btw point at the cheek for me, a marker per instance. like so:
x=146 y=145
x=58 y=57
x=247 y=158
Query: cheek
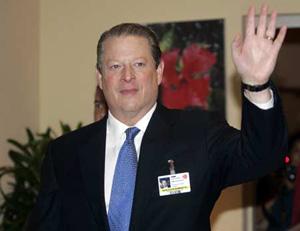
x=151 y=88
x=108 y=82
x=109 y=89
x=154 y=83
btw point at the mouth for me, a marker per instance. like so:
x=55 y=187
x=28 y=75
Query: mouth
x=127 y=92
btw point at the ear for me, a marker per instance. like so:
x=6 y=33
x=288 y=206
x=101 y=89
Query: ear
x=160 y=71
x=99 y=78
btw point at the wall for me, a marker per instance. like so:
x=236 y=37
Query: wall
x=288 y=80
x=18 y=71
x=68 y=33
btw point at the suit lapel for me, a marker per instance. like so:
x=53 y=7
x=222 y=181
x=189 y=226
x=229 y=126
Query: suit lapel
x=152 y=161
x=92 y=158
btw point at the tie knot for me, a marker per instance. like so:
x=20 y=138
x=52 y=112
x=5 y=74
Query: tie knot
x=131 y=133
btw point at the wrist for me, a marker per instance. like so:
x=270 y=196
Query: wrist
x=262 y=96
x=256 y=88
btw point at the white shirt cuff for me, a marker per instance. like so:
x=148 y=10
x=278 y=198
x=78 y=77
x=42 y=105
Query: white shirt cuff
x=264 y=106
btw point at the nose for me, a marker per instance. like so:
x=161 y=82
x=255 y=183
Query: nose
x=128 y=73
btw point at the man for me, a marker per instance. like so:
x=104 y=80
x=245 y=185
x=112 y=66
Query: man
x=106 y=176
x=277 y=193
x=100 y=108
x=294 y=146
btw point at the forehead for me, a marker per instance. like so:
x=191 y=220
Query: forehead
x=126 y=45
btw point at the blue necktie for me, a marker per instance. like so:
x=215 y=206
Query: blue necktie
x=122 y=191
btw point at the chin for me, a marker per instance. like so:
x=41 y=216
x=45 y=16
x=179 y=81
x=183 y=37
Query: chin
x=130 y=108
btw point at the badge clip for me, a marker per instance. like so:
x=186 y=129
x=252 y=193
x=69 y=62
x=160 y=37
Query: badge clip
x=171 y=167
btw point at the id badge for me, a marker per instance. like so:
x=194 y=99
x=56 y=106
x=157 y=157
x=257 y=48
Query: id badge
x=174 y=184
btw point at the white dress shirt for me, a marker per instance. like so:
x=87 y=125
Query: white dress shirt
x=115 y=137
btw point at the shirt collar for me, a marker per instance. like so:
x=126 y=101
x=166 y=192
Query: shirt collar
x=117 y=128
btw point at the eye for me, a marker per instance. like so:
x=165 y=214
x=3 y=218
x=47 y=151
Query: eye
x=139 y=64
x=115 y=66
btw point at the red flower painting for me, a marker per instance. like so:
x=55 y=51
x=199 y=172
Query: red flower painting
x=193 y=53
x=186 y=81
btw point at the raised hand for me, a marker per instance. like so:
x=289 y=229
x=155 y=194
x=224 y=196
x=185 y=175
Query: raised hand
x=255 y=56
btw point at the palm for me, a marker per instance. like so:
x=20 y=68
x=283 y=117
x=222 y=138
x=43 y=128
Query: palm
x=257 y=59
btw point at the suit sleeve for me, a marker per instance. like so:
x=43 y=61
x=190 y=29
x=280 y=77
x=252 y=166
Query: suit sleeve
x=257 y=149
x=46 y=214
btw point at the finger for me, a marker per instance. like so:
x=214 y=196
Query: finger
x=279 y=40
x=272 y=25
x=262 y=22
x=236 y=46
x=250 y=26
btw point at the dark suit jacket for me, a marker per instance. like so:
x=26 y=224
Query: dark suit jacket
x=215 y=155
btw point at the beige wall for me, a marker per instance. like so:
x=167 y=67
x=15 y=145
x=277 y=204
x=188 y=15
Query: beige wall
x=18 y=70
x=68 y=32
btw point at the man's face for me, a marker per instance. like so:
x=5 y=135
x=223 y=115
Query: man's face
x=296 y=153
x=129 y=79
x=100 y=109
x=164 y=183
